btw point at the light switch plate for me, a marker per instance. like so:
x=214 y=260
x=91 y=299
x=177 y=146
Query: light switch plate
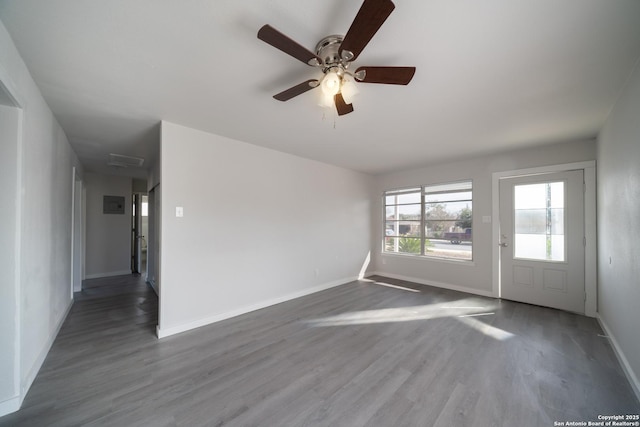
x=179 y=212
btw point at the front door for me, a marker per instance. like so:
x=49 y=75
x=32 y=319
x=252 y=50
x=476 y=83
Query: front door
x=542 y=240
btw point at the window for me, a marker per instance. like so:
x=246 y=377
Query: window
x=432 y=221
x=539 y=221
x=448 y=218
x=403 y=224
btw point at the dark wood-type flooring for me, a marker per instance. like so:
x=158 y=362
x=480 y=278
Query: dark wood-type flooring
x=367 y=353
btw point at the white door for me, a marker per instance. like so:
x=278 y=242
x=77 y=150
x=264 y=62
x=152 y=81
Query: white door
x=542 y=240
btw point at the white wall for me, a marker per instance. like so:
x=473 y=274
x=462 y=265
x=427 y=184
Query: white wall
x=473 y=277
x=45 y=160
x=139 y=186
x=154 y=219
x=618 y=156
x=9 y=291
x=153 y=174
x=108 y=244
x=153 y=240
x=259 y=227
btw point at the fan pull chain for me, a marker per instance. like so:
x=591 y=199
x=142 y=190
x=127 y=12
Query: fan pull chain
x=324 y=117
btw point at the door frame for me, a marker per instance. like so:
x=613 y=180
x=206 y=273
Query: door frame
x=590 y=273
x=77 y=248
x=12 y=348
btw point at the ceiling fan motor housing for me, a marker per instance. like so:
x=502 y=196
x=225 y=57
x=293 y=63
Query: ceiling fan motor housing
x=327 y=50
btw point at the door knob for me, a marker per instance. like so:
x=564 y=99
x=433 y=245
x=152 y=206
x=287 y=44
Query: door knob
x=502 y=244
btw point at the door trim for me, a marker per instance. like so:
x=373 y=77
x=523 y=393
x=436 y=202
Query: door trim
x=77 y=241
x=590 y=274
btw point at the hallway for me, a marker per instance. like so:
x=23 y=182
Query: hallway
x=111 y=318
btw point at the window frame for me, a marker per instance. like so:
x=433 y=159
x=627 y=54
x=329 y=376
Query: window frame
x=403 y=191
x=422 y=190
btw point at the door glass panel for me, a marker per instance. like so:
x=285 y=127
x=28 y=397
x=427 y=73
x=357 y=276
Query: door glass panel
x=539 y=221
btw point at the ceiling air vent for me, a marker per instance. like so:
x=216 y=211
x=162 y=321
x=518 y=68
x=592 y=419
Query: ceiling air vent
x=120 y=161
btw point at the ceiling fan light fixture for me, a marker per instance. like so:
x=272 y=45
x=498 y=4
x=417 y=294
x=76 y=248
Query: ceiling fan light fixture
x=326 y=101
x=330 y=83
x=334 y=55
x=349 y=89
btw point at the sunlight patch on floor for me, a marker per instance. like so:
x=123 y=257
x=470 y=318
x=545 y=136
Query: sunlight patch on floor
x=476 y=315
x=486 y=329
x=399 y=314
x=402 y=288
x=389 y=285
x=464 y=311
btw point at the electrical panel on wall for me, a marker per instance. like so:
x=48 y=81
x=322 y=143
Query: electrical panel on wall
x=113 y=205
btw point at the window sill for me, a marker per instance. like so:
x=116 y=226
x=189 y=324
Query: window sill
x=461 y=262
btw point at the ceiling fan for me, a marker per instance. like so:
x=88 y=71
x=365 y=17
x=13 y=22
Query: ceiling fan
x=334 y=54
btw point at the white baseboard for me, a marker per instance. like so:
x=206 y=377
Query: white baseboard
x=108 y=274
x=626 y=367
x=10 y=405
x=165 y=332
x=434 y=283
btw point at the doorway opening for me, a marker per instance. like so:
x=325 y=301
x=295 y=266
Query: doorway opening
x=139 y=234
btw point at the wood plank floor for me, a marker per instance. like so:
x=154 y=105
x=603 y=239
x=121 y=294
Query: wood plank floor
x=370 y=353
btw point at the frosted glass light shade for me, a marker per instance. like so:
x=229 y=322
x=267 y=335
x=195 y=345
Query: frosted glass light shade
x=349 y=89
x=330 y=83
x=326 y=101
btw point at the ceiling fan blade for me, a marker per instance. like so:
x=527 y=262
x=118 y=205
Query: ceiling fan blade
x=275 y=38
x=386 y=75
x=296 y=90
x=342 y=107
x=369 y=19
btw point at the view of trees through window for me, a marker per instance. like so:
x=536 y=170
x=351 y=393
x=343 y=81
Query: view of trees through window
x=434 y=220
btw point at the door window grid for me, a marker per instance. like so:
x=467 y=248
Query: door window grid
x=539 y=221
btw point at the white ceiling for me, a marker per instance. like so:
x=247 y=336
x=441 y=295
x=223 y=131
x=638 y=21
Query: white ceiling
x=491 y=74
